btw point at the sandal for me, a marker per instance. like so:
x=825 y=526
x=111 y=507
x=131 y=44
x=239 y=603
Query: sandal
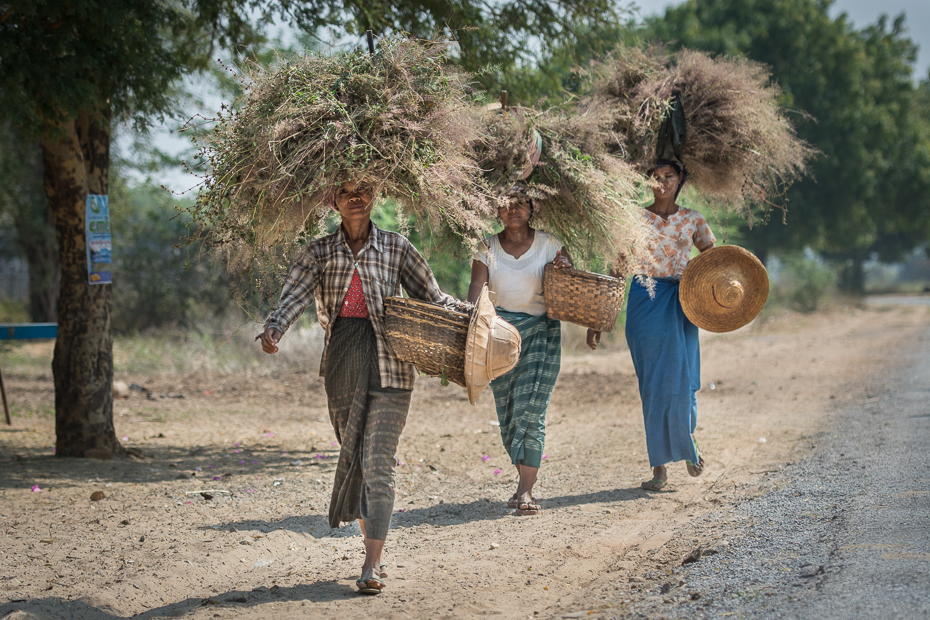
x=513 y=503
x=370 y=586
x=527 y=508
x=656 y=484
x=695 y=469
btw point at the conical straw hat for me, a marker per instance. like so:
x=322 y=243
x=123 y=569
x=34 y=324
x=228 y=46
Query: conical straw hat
x=723 y=288
x=492 y=346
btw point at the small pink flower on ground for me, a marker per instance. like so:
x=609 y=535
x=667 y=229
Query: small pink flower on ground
x=250 y=490
x=236 y=451
x=497 y=471
x=401 y=510
x=188 y=502
x=35 y=488
x=217 y=478
x=545 y=456
x=124 y=438
x=254 y=462
x=211 y=466
x=485 y=458
x=320 y=456
x=399 y=463
x=267 y=434
x=237 y=444
x=242 y=462
x=197 y=469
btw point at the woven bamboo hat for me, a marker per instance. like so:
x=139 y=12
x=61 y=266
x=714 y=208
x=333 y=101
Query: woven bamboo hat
x=723 y=288
x=492 y=346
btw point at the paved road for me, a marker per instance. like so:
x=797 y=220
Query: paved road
x=898 y=300
x=848 y=537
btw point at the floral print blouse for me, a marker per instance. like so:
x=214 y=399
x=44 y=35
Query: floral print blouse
x=671 y=242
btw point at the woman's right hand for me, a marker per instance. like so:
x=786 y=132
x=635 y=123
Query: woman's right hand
x=594 y=338
x=270 y=338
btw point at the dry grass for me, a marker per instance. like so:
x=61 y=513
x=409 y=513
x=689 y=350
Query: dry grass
x=740 y=148
x=583 y=195
x=399 y=120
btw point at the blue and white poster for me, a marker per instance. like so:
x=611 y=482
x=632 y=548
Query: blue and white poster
x=99 y=243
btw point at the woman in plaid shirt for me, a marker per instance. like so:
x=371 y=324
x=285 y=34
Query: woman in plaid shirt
x=349 y=274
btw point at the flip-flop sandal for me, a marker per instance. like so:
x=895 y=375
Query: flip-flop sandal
x=370 y=586
x=525 y=509
x=654 y=485
x=695 y=469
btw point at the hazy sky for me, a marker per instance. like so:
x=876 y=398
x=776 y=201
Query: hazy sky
x=861 y=13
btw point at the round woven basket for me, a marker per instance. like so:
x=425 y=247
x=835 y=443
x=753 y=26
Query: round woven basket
x=429 y=336
x=581 y=297
x=723 y=288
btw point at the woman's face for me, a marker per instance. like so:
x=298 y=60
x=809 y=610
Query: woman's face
x=354 y=201
x=515 y=215
x=667 y=179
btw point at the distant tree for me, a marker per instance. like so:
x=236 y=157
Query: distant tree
x=31 y=222
x=868 y=191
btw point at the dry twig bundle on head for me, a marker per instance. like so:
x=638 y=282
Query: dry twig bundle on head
x=399 y=120
x=739 y=147
x=581 y=193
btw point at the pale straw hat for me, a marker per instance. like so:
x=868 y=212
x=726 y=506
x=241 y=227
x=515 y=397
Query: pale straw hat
x=723 y=288
x=492 y=346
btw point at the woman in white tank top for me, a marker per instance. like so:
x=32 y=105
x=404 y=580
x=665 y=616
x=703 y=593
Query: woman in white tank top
x=511 y=263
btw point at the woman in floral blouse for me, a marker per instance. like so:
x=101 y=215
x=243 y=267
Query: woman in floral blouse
x=662 y=341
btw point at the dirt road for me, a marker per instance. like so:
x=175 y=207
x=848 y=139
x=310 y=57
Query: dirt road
x=262 y=449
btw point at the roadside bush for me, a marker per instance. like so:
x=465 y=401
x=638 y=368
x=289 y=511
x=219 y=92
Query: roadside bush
x=806 y=283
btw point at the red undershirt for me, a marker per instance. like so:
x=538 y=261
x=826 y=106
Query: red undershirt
x=354 y=304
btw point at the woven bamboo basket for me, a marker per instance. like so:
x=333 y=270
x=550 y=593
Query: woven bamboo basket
x=581 y=297
x=429 y=336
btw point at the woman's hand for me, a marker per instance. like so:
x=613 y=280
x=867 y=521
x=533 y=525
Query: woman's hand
x=269 y=338
x=594 y=339
x=562 y=259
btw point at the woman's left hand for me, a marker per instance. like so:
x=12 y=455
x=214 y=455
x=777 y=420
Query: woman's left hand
x=562 y=260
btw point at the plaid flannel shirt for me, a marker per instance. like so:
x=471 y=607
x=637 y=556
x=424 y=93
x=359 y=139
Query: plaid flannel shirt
x=323 y=272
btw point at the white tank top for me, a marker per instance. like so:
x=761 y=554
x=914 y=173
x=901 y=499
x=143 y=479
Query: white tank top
x=518 y=282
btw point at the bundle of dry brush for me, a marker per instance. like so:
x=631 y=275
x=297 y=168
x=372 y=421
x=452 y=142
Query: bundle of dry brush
x=583 y=195
x=739 y=148
x=399 y=120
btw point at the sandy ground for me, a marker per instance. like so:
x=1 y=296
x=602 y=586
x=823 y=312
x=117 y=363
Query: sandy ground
x=226 y=515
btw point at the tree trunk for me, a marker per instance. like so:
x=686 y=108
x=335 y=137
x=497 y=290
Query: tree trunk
x=852 y=275
x=77 y=159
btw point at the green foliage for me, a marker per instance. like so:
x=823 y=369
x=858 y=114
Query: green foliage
x=157 y=283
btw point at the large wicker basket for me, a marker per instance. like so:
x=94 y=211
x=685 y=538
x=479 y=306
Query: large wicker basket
x=429 y=336
x=587 y=299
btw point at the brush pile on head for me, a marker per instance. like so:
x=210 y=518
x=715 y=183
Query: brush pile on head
x=398 y=120
x=738 y=148
x=581 y=193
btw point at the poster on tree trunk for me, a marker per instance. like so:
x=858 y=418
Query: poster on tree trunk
x=99 y=244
